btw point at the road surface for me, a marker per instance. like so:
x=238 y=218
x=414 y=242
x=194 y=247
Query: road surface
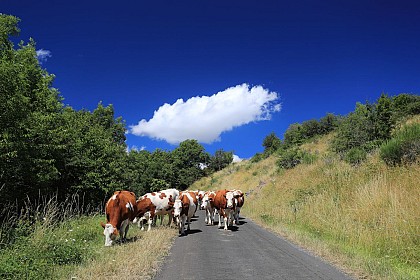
x=245 y=252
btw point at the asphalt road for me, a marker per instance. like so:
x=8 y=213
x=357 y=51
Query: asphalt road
x=245 y=252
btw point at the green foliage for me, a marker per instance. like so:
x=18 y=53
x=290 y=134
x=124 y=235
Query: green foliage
x=355 y=156
x=45 y=237
x=404 y=105
x=158 y=184
x=271 y=144
x=297 y=134
x=403 y=148
x=257 y=157
x=46 y=248
x=371 y=124
x=188 y=159
x=289 y=158
x=355 y=130
x=220 y=160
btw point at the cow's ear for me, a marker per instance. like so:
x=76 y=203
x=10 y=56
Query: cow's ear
x=102 y=224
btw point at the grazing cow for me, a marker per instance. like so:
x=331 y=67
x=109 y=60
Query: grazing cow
x=208 y=206
x=224 y=202
x=120 y=210
x=239 y=202
x=184 y=209
x=163 y=202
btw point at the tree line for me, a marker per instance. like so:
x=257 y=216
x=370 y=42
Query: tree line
x=49 y=148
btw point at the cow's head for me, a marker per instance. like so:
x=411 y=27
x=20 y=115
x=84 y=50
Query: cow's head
x=230 y=200
x=177 y=208
x=205 y=202
x=110 y=233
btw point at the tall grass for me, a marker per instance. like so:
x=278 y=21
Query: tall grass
x=365 y=218
x=53 y=240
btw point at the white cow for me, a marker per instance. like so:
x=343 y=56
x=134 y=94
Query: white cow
x=208 y=205
x=163 y=202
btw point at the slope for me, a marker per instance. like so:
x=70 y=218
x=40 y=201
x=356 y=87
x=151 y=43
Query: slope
x=364 y=218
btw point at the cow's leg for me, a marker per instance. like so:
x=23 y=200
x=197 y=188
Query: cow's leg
x=170 y=218
x=188 y=221
x=183 y=218
x=123 y=230
x=238 y=210
x=231 y=217
x=220 y=220
x=206 y=217
x=225 y=218
x=149 y=223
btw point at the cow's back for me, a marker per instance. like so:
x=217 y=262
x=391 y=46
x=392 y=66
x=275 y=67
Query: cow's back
x=220 y=199
x=121 y=206
x=163 y=200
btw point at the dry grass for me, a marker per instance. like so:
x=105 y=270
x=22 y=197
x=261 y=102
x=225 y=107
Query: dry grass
x=139 y=259
x=365 y=219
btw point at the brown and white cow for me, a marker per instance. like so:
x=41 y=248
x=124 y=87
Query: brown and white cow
x=145 y=211
x=239 y=202
x=120 y=210
x=224 y=202
x=207 y=204
x=163 y=202
x=184 y=209
x=200 y=196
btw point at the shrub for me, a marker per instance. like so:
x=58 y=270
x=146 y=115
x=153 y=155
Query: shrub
x=289 y=158
x=403 y=148
x=355 y=156
x=257 y=157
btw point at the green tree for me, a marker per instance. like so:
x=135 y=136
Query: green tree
x=220 y=160
x=271 y=143
x=383 y=121
x=293 y=135
x=355 y=130
x=188 y=158
x=29 y=107
x=328 y=123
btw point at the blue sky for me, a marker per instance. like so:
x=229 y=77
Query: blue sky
x=227 y=73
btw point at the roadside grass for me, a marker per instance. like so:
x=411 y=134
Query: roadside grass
x=138 y=258
x=54 y=242
x=365 y=218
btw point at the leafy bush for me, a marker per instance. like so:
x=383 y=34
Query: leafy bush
x=403 y=148
x=257 y=157
x=289 y=158
x=355 y=156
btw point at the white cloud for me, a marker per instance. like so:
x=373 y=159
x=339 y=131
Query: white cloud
x=236 y=159
x=42 y=55
x=205 y=118
x=135 y=148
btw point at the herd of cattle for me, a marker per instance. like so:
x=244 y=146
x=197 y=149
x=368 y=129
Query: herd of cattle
x=123 y=208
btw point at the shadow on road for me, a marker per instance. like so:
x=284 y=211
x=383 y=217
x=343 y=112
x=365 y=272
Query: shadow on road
x=191 y=231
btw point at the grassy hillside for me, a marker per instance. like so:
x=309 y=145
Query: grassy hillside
x=364 y=218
